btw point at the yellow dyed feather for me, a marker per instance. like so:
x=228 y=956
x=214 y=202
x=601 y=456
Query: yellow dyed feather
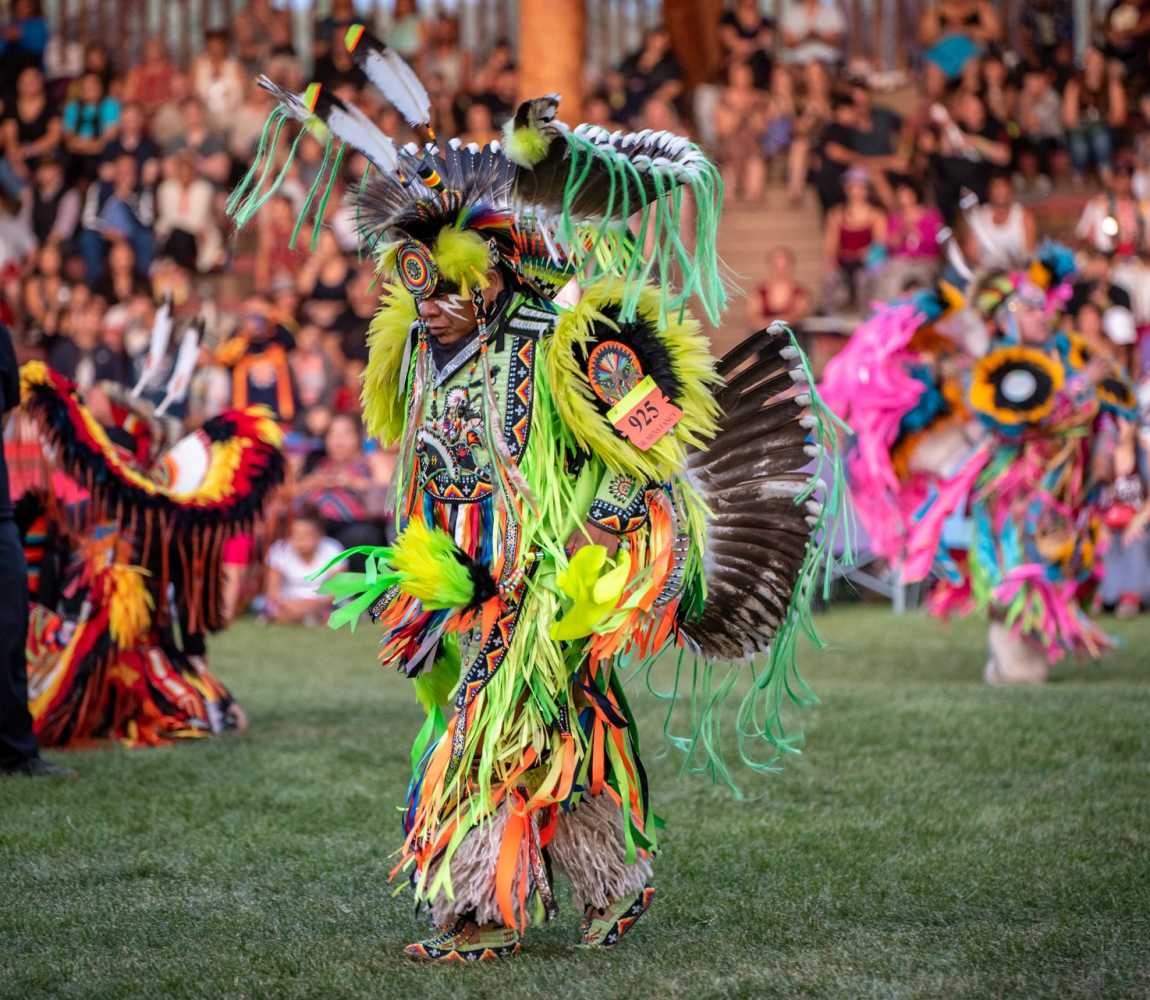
x=691 y=358
x=425 y=559
x=129 y=604
x=525 y=146
x=462 y=256
x=33 y=373
x=383 y=382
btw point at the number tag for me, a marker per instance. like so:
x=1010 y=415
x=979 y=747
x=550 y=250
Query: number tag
x=644 y=415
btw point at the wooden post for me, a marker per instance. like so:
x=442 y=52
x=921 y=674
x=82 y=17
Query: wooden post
x=552 y=41
x=694 y=29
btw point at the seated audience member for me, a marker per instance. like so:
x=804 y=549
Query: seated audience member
x=875 y=141
x=780 y=297
x=740 y=121
x=1115 y=221
x=833 y=154
x=185 y=217
x=952 y=33
x=443 y=56
x=748 y=36
x=855 y=242
x=813 y=31
x=132 y=139
x=29 y=131
x=1001 y=233
x=22 y=41
x=343 y=489
x=406 y=30
x=291 y=595
x=119 y=208
x=1039 y=148
x=45 y=297
x=91 y=122
x=312 y=369
x=218 y=79
x=651 y=71
x=152 y=82
x=50 y=207
x=1045 y=26
x=208 y=145
x=478 y=125
x=1093 y=108
x=353 y=323
x=913 y=249
x=73 y=355
x=812 y=113
x=964 y=152
x=110 y=360
x=257 y=355
x=17 y=244
x=997 y=86
x=274 y=258
x=121 y=282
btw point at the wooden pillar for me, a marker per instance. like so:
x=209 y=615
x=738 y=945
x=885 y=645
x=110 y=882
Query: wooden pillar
x=552 y=43
x=694 y=29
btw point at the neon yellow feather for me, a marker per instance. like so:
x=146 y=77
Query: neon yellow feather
x=462 y=256
x=425 y=559
x=594 y=587
x=383 y=382
x=129 y=604
x=525 y=146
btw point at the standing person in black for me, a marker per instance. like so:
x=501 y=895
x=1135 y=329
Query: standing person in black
x=18 y=751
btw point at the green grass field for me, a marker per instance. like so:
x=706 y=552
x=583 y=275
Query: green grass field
x=938 y=838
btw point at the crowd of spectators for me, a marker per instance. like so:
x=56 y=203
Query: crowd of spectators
x=984 y=131
x=113 y=181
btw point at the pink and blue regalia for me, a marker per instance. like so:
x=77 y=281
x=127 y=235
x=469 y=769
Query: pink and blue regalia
x=983 y=427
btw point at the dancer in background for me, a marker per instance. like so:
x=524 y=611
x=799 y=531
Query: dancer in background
x=990 y=405
x=125 y=534
x=579 y=487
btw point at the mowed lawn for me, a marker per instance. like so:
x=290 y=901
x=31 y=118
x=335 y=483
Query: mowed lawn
x=938 y=838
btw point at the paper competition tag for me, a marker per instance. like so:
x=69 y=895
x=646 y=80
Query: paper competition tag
x=644 y=415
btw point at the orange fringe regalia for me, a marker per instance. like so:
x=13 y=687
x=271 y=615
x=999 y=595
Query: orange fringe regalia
x=610 y=413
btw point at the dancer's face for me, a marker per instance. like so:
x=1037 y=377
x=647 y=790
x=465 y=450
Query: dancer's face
x=1033 y=327
x=450 y=319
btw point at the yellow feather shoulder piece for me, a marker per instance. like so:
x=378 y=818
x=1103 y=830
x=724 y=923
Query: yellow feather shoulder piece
x=383 y=381
x=675 y=351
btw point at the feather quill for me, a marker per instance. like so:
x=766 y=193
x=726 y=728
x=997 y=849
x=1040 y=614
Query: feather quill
x=158 y=348
x=185 y=365
x=390 y=75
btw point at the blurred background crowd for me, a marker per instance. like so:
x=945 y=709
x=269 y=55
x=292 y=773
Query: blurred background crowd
x=115 y=167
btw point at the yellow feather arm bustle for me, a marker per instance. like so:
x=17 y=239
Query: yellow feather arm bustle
x=690 y=355
x=384 y=384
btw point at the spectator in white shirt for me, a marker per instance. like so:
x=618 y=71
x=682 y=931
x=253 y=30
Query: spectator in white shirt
x=185 y=223
x=813 y=31
x=291 y=596
x=218 y=80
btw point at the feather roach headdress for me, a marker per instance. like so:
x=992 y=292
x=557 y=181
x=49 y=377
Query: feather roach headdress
x=548 y=203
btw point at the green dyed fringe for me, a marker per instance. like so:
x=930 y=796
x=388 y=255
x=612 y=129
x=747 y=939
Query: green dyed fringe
x=614 y=250
x=255 y=189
